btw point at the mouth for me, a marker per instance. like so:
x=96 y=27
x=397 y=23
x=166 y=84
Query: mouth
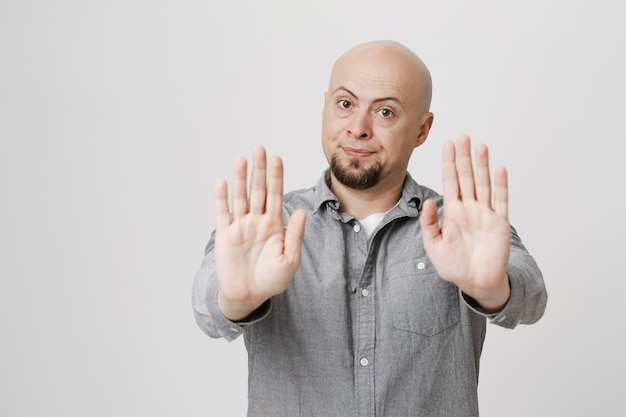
x=356 y=152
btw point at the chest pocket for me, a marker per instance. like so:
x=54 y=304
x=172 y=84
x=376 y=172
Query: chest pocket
x=419 y=300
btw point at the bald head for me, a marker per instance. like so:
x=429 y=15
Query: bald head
x=376 y=112
x=388 y=61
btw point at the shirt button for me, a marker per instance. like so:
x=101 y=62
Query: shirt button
x=364 y=362
x=421 y=265
x=356 y=228
x=365 y=292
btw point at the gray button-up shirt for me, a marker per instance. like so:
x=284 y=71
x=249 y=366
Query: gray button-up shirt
x=366 y=330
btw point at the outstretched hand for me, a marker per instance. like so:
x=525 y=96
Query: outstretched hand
x=255 y=257
x=470 y=246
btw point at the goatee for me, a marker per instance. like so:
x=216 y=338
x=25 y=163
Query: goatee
x=354 y=176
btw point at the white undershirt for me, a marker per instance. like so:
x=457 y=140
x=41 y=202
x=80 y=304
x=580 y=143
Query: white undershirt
x=370 y=222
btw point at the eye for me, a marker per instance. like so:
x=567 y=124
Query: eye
x=386 y=113
x=344 y=104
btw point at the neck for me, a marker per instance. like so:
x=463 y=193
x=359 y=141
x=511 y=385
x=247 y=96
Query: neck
x=362 y=203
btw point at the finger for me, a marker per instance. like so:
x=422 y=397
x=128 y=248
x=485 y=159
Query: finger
x=294 y=236
x=450 y=177
x=501 y=194
x=222 y=212
x=429 y=222
x=274 y=204
x=240 y=199
x=258 y=180
x=464 y=168
x=483 y=182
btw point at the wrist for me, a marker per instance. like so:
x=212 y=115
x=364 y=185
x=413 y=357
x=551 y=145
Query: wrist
x=491 y=300
x=236 y=310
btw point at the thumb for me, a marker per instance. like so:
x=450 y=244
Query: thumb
x=294 y=235
x=429 y=221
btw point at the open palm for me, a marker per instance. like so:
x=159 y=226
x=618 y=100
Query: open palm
x=255 y=257
x=470 y=246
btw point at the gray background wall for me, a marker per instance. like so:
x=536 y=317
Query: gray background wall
x=117 y=117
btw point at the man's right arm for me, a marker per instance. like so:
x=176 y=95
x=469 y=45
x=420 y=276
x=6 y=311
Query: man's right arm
x=251 y=256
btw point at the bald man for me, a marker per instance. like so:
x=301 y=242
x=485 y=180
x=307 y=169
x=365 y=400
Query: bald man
x=366 y=295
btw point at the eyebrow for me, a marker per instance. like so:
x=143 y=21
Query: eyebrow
x=378 y=100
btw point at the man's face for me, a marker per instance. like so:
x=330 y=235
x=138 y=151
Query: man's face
x=371 y=122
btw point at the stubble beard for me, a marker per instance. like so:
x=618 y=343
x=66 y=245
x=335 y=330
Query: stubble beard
x=354 y=175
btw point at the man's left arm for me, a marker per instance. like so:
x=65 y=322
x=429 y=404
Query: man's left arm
x=473 y=245
x=527 y=297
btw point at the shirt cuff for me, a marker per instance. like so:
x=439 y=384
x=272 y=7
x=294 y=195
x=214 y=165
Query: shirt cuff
x=229 y=329
x=476 y=308
x=508 y=316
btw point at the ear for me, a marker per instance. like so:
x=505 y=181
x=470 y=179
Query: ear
x=324 y=105
x=426 y=122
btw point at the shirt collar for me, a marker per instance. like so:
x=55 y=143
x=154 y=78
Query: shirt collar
x=410 y=202
x=323 y=195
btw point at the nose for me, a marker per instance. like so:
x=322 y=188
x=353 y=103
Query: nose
x=360 y=125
